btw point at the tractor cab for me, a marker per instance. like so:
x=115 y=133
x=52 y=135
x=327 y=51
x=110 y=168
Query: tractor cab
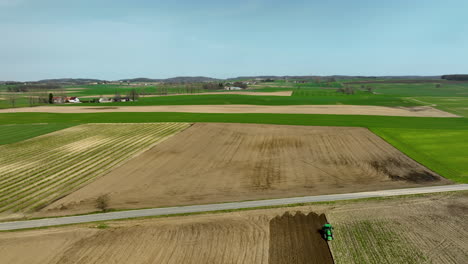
x=327 y=232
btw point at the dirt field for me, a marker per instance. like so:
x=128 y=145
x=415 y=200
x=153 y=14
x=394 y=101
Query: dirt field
x=295 y=238
x=213 y=163
x=418 y=111
x=418 y=229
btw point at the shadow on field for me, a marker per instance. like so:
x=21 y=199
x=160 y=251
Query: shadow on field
x=398 y=170
x=296 y=239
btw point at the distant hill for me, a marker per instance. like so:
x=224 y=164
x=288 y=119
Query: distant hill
x=272 y=77
x=141 y=80
x=413 y=77
x=182 y=79
x=456 y=77
x=190 y=79
x=198 y=79
x=10 y=82
x=67 y=81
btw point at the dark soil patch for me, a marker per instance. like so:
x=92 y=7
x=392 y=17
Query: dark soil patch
x=399 y=170
x=457 y=209
x=296 y=239
x=276 y=144
x=267 y=170
x=265 y=175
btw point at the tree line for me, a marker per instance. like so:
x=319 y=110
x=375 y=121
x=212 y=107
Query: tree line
x=31 y=87
x=455 y=77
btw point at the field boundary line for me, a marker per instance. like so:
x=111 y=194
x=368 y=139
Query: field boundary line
x=419 y=101
x=67 y=220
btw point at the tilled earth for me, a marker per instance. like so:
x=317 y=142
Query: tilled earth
x=213 y=163
x=414 y=229
x=296 y=238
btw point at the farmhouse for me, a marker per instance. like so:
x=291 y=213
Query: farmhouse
x=62 y=99
x=232 y=88
x=110 y=100
x=105 y=100
x=72 y=100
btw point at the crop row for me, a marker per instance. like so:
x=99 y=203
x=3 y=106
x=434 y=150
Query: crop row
x=54 y=165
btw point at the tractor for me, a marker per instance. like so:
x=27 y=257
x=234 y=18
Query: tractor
x=327 y=232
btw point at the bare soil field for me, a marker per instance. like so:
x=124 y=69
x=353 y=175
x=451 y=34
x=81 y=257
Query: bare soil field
x=415 y=229
x=417 y=111
x=215 y=162
x=295 y=238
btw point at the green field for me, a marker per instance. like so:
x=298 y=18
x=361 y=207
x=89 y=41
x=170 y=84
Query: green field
x=100 y=89
x=35 y=172
x=419 y=89
x=385 y=94
x=456 y=105
x=324 y=93
x=21 y=101
x=111 y=89
x=442 y=150
x=14 y=133
x=280 y=119
x=221 y=99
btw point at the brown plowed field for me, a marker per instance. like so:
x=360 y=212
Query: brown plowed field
x=213 y=163
x=289 y=239
x=417 y=229
x=418 y=111
x=295 y=238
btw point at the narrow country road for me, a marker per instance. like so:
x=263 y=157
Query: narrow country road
x=222 y=206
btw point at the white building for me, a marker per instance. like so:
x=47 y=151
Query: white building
x=233 y=88
x=104 y=100
x=73 y=100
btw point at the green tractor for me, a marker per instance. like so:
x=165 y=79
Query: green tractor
x=327 y=232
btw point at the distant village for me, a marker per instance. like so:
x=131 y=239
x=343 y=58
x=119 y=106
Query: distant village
x=228 y=86
x=64 y=99
x=74 y=100
x=55 y=91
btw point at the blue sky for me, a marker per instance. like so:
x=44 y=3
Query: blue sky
x=141 y=38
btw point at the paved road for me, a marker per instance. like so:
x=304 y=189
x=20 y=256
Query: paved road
x=223 y=206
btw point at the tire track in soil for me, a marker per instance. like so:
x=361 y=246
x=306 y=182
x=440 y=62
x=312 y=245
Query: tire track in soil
x=296 y=239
